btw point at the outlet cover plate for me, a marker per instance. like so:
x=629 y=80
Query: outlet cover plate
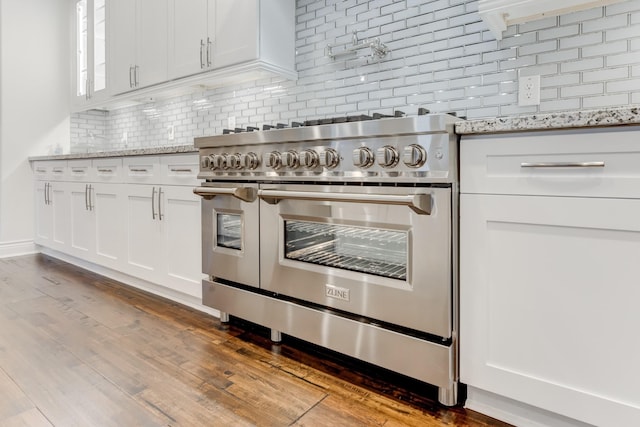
x=528 y=90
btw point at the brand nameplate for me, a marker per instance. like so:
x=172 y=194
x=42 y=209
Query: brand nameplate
x=336 y=292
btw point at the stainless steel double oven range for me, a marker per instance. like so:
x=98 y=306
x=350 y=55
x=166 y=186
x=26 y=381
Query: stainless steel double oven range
x=342 y=234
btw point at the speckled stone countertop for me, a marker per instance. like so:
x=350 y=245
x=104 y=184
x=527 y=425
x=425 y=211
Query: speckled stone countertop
x=175 y=149
x=619 y=116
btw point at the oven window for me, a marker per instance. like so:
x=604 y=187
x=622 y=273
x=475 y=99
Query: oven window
x=368 y=250
x=229 y=231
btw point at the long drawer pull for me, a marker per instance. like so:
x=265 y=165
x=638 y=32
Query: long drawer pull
x=419 y=203
x=58 y=170
x=139 y=170
x=40 y=170
x=563 y=165
x=77 y=170
x=246 y=194
x=180 y=170
x=105 y=170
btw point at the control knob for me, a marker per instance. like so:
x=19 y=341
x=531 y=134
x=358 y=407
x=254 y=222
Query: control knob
x=218 y=161
x=329 y=158
x=309 y=159
x=250 y=160
x=414 y=155
x=363 y=157
x=290 y=159
x=387 y=156
x=205 y=162
x=233 y=161
x=274 y=160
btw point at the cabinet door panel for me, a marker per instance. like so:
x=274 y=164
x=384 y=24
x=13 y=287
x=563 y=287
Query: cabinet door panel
x=44 y=215
x=60 y=204
x=80 y=221
x=108 y=208
x=122 y=49
x=144 y=239
x=151 y=36
x=236 y=32
x=181 y=229
x=188 y=37
x=549 y=301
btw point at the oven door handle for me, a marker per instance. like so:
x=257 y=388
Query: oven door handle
x=419 y=203
x=246 y=194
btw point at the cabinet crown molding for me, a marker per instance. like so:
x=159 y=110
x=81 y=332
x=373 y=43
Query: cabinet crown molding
x=499 y=14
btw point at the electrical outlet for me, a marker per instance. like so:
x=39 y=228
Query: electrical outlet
x=529 y=90
x=171 y=133
x=231 y=122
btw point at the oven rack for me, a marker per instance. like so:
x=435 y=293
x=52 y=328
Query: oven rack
x=350 y=257
x=360 y=233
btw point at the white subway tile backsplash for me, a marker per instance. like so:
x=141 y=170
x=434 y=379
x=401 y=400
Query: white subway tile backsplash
x=442 y=57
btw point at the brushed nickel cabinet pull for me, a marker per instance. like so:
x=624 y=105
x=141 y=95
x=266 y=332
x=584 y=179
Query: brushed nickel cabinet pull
x=562 y=165
x=86 y=197
x=180 y=170
x=105 y=170
x=160 y=215
x=153 y=203
x=139 y=170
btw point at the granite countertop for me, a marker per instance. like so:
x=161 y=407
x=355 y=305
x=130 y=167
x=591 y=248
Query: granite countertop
x=150 y=151
x=619 y=116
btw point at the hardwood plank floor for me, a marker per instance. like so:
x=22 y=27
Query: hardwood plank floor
x=78 y=349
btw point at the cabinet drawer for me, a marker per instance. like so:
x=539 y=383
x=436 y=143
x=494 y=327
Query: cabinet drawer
x=142 y=169
x=50 y=170
x=180 y=169
x=586 y=163
x=107 y=170
x=79 y=170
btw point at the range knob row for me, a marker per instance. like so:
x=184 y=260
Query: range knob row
x=308 y=159
x=230 y=161
x=413 y=155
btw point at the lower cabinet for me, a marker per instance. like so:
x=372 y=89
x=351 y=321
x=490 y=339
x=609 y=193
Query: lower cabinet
x=549 y=275
x=150 y=232
x=163 y=243
x=549 y=303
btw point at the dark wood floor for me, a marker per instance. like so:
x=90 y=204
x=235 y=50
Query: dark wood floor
x=77 y=349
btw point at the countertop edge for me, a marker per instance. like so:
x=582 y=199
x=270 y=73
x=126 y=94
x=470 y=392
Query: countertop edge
x=149 y=151
x=618 y=116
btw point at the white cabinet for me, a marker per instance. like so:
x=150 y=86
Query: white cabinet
x=51 y=204
x=163 y=243
x=90 y=60
x=138 y=48
x=549 y=267
x=208 y=35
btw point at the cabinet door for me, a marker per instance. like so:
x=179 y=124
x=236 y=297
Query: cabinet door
x=236 y=32
x=144 y=239
x=151 y=42
x=44 y=214
x=180 y=218
x=188 y=23
x=549 y=303
x=81 y=221
x=108 y=208
x=60 y=206
x=122 y=51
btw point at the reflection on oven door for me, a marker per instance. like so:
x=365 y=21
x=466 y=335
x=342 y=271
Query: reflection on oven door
x=383 y=259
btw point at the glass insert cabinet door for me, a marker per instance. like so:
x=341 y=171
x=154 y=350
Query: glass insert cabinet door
x=375 y=251
x=91 y=48
x=229 y=231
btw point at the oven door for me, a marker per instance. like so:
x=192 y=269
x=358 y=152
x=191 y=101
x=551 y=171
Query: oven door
x=230 y=232
x=380 y=252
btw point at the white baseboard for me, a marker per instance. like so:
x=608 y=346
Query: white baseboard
x=514 y=412
x=184 y=299
x=17 y=248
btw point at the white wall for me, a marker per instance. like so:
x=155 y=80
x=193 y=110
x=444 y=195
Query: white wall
x=442 y=57
x=34 y=105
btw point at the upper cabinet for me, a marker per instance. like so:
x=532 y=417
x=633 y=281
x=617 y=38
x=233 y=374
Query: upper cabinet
x=499 y=14
x=139 y=38
x=209 y=35
x=90 y=60
x=131 y=51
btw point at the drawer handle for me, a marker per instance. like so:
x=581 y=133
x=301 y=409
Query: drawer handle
x=180 y=170
x=139 y=170
x=58 y=170
x=77 y=170
x=40 y=170
x=563 y=165
x=105 y=170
